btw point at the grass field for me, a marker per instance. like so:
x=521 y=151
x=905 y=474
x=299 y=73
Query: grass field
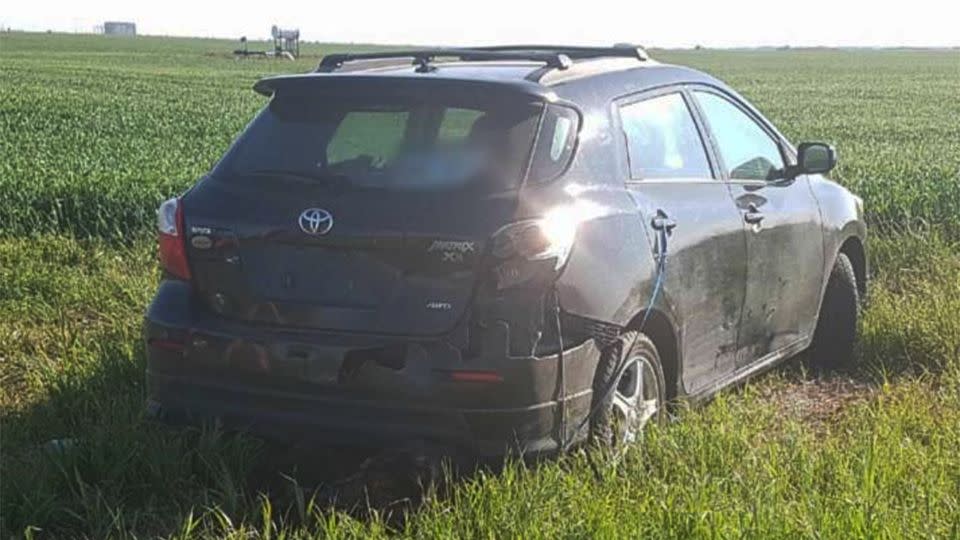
x=95 y=131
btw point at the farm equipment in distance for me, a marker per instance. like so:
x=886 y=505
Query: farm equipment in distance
x=286 y=44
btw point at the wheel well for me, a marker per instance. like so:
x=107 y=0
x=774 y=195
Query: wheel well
x=853 y=248
x=658 y=328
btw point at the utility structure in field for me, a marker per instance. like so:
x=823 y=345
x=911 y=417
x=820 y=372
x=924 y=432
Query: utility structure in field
x=119 y=28
x=285 y=41
x=286 y=44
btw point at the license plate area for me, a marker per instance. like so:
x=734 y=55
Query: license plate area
x=347 y=278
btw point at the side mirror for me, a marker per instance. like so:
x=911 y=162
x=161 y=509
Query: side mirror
x=815 y=158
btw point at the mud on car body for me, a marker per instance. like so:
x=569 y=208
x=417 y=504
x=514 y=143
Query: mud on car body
x=510 y=247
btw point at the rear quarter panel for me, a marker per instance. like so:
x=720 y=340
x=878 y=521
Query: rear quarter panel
x=609 y=275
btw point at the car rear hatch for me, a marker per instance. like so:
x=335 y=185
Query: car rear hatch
x=354 y=207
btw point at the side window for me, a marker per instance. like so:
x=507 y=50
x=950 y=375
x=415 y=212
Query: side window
x=662 y=140
x=748 y=152
x=555 y=143
x=374 y=136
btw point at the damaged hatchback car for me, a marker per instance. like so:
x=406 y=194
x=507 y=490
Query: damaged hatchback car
x=499 y=248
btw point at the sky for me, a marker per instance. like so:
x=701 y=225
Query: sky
x=659 y=23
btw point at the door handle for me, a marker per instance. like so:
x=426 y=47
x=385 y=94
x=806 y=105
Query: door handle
x=662 y=222
x=753 y=215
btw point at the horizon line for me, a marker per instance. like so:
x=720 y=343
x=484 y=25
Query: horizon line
x=9 y=30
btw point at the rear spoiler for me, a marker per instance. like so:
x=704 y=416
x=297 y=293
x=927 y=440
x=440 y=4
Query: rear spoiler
x=359 y=84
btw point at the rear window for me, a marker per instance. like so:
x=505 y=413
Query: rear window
x=389 y=143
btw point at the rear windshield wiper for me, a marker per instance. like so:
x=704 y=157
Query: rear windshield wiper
x=306 y=177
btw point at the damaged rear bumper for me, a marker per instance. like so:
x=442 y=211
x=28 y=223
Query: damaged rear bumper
x=331 y=388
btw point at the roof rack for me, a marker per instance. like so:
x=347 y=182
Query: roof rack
x=552 y=56
x=424 y=57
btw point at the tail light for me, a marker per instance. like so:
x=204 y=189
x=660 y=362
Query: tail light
x=532 y=248
x=172 y=239
x=533 y=241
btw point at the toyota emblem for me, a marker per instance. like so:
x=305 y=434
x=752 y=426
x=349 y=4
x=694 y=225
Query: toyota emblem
x=316 y=221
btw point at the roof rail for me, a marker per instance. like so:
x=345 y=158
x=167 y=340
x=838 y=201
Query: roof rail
x=620 y=50
x=423 y=57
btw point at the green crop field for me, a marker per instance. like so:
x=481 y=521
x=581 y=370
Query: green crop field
x=96 y=131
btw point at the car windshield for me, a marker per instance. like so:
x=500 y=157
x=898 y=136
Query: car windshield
x=388 y=143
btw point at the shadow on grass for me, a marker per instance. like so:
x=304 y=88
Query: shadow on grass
x=85 y=461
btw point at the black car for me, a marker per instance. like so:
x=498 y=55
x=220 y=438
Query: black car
x=505 y=247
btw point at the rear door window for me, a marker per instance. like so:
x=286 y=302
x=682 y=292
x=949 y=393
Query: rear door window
x=662 y=139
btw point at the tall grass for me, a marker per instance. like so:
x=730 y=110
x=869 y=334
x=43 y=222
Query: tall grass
x=747 y=465
x=94 y=132
x=92 y=142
